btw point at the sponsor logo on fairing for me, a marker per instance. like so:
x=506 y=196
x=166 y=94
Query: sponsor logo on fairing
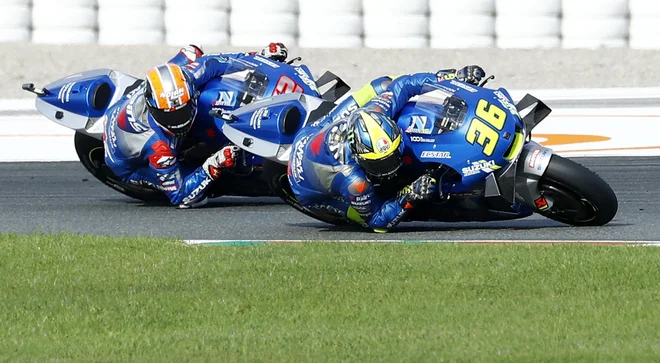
x=65 y=92
x=305 y=78
x=541 y=203
x=421 y=139
x=225 y=98
x=266 y=61
x=197 y=192
x=296 y=162
x=480 y=166
x=541 y=160
x=463 y=86
x=436 y=155
x=260 y=114
x=418 y=125
x=505 y=102
x=533 y=158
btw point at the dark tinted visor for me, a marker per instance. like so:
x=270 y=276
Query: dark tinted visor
x=382 y=167
x=175 y=121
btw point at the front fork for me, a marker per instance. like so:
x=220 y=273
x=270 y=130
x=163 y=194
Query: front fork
x=519 y=184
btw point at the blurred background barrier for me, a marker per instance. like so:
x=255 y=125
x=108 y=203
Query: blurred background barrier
x=444 y=24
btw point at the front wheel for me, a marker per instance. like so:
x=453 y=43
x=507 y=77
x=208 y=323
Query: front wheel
x=580 y=197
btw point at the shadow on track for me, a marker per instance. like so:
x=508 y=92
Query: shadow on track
x=223 y=202
x=519 y=225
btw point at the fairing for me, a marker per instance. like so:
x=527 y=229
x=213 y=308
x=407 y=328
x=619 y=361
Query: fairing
x=481 y=133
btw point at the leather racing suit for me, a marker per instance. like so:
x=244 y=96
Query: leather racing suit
x=142 y=153
x=324 y=176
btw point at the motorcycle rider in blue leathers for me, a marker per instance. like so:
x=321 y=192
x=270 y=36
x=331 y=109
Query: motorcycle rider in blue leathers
x=335 y=160
x=144 y=130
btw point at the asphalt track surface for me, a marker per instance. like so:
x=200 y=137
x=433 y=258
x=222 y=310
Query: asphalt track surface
x=63 y=197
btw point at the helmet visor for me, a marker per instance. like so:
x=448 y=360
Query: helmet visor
x=177 y=121
x=382 y=167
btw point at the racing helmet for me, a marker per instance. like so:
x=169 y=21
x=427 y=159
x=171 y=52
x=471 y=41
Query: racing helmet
x=375 y=142
x=170 y=99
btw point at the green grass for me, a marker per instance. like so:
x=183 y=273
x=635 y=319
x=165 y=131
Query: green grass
x=74 y=298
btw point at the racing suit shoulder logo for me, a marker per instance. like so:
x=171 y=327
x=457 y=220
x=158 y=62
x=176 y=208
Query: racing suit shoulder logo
x=317 y=143
x=295 y=165
x=127 y=120
x=163 y=157
x=336 y=141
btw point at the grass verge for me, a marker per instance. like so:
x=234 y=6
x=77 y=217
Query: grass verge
x=67 y=297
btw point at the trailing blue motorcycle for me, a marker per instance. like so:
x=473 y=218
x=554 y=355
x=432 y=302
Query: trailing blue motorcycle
x=476 y=142
x=79 y=102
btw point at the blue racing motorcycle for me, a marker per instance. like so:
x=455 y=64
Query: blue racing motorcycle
x=79 y=102
x=475 y=140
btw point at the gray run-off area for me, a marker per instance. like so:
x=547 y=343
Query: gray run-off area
x=514 y=69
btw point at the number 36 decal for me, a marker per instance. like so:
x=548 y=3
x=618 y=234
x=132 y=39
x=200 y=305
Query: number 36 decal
x=484 y=128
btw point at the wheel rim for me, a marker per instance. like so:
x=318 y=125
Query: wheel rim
x=568 y=206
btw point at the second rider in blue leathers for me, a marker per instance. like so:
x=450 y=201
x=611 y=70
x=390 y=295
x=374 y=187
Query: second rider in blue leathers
x=334 y=161
x=144 y=130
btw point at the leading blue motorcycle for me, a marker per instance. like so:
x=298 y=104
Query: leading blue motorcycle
x=80 y=101
x=476 y=142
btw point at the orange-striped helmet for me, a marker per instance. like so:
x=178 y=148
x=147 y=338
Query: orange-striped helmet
x=170 y=98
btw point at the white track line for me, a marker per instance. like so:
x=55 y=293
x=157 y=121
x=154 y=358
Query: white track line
x=476 y=241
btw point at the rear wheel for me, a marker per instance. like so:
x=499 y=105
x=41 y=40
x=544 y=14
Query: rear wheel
x=276 y=176
x=92 y=155
x=580 y=197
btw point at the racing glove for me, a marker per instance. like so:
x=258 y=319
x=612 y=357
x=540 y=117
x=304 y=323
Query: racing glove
x=275 y=51
x=421 y=189
x=224 y=158
x=469 y=74
x=192 y=52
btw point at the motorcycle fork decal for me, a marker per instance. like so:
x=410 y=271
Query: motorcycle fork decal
x=484 y=128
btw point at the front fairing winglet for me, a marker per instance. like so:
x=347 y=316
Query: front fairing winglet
x=533 y=111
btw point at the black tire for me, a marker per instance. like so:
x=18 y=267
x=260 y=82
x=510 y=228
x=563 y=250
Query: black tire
x=91 y=154
x=581 y=197
x=276 y=177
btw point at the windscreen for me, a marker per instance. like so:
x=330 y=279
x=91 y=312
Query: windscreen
x=446 y=110
x=251 y=83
